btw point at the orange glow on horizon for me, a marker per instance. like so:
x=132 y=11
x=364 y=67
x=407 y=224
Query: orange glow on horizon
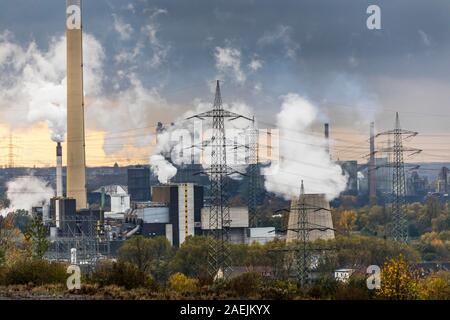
x=32 y=147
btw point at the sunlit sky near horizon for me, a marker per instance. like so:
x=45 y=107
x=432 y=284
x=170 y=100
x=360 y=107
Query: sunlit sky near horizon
x=149 y=61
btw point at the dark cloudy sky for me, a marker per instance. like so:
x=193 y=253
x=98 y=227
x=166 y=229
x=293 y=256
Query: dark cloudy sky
x=264 y=49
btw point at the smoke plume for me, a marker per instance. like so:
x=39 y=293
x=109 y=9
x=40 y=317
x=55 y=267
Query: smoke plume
x=162 y=168
x=33 y=83
x=303 y=156
x=25 y=193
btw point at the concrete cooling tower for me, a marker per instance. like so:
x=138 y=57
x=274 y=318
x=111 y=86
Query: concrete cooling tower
x=316 y=218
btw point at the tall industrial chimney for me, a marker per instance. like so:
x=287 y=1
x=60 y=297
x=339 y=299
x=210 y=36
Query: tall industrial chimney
x=327 y=138
x=59 y=182
x=372 y=167
x=76 y=162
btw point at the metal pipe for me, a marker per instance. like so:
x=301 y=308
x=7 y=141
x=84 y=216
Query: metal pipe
x=129 y=234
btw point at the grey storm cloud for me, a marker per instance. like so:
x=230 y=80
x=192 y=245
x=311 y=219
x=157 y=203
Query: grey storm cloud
x=303 y=46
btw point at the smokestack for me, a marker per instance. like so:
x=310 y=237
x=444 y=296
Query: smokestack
x=59 y=182
x=327 y=138
x=76 y=162
x=372 y=167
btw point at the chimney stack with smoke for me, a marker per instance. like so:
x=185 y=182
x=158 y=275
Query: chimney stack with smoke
x=327 y=139
x=59 y=182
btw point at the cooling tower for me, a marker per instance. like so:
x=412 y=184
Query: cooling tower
x=76 y=163
x=318 y=217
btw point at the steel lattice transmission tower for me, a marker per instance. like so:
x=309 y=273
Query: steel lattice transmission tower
x=10 y=151
x=372 y=167
x=219 y=260
x=399 y=231
x=303 y=254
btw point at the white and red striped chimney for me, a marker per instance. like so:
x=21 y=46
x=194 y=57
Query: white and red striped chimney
x=59 y=182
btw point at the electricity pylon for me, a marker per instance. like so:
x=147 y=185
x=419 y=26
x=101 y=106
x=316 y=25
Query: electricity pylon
x=219 y=260
x=303 y=248
x=399 y=230
x=253 y=173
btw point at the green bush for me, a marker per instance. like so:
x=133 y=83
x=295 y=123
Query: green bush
x=151 y=255
x=246 y=285
x=279 y=290
x=2 y=275
x=121 y=274
x=191 y=258
x=2 y=256
x=354 y=289
x=217 y=288
x=36 y=272
x=430 y=256
x=323 y=288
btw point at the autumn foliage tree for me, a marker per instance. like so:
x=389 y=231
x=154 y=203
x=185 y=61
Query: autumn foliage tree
x=11 y=240
x=180 y=283
x=347 y=221
x=436 y=286
x=149 y=255
x=398 y=281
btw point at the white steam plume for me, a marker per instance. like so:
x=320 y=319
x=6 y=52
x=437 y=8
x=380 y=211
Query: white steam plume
x=162 y=168
x=33 y=90
x=33 y=83
x=133 y=104
x=25 y=193
x=302 y=155
x=169 y=144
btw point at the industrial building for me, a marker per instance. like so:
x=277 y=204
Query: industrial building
x=442 y=181
x=139 y=183
x=238 y=224
x=260 y=235
x=185 y=203
x=152 y=219
x=350 y=169
x=382 y=177
x=175 y=212
x=417 y=186
x=189 y=173
x=116 y=197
